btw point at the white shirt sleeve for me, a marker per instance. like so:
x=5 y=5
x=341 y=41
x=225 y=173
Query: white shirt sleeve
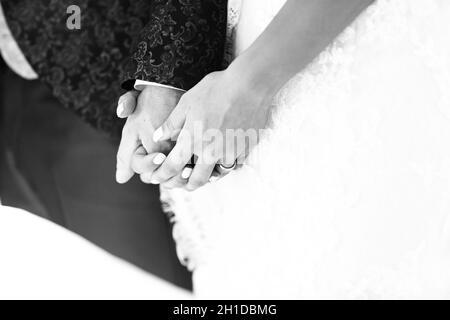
x=11 y=53
x=139 y=85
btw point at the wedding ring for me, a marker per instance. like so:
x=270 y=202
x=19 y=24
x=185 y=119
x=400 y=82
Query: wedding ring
x=222 y=169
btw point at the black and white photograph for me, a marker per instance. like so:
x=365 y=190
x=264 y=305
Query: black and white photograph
x=214 y=150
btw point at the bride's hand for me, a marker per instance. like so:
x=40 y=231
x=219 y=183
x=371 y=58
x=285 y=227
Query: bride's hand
x=218 y=121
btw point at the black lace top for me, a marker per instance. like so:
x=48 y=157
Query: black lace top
x=174 y=42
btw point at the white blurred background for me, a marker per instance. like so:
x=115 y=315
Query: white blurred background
x=40 y=260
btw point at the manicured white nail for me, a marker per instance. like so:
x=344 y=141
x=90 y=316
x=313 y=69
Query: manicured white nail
x=157 y=135
x=186 y=173
x=120 y=109
x=159 y=159
x=154 y=181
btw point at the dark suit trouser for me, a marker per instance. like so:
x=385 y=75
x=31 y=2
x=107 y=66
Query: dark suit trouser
x=56 y=166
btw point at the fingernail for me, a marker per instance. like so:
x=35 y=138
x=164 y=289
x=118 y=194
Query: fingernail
x=154 y=181
x=157 y=135
x=186 y=173
x=159 y=159
x=120 y=109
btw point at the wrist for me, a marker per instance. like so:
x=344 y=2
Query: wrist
x=164 y=94
x=158 y=103
x=254 y=76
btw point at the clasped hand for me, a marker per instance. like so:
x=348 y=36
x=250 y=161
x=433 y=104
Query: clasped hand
x=177 y=140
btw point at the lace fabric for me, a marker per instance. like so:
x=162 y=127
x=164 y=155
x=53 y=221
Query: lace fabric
x=359 y=206
x=234 y=9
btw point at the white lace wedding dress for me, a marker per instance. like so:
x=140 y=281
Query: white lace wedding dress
x=349 y=194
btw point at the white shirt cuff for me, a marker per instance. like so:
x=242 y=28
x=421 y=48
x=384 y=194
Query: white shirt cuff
x=11 y=53
x=139 y=85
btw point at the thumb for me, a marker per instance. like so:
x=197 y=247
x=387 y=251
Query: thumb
x=127 y=104
x=172 y=126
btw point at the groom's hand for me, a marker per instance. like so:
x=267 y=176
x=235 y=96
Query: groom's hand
x=146 y=111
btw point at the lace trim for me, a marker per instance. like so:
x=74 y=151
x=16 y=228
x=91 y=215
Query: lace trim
x=234 y=13
x=185 y=232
